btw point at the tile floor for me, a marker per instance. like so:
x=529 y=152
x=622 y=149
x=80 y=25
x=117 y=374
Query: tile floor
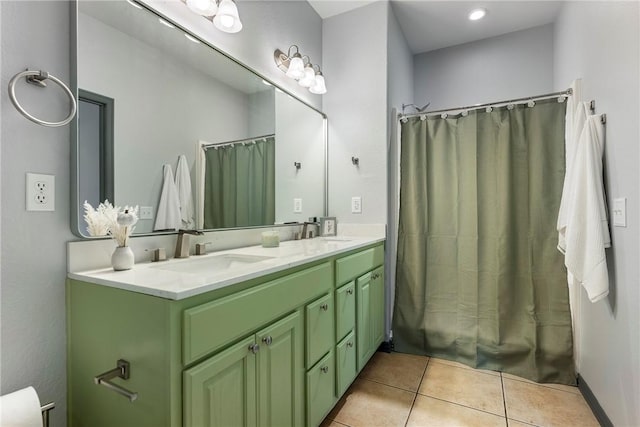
x=405 y=390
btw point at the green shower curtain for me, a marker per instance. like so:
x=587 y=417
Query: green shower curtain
x=479 y=279
x=240 y=185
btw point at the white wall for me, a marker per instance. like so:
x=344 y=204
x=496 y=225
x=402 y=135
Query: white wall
x=33 y=253
x=399 y=91
x=599 y=41
x=355 y=66
x=504 y=67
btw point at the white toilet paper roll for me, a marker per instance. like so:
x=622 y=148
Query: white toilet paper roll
x=20 y=409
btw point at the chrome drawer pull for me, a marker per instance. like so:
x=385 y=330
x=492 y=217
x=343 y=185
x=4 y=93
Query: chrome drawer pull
x=324 y=307
x=267 y=340
x=254 y=348
x=325 y=369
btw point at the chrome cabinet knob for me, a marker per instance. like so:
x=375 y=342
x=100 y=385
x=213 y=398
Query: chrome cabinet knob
x=325 y=369
x=350 y=291
x=324 y=307
x=267 y=340
x=349 y=344
x=254 y=348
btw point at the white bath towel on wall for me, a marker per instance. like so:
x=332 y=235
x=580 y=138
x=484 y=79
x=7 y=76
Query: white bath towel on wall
x=183 y=184
x=168 y=214
x=587 y=229
x=580 y=112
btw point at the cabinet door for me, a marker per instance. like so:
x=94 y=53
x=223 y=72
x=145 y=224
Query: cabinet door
x=364 y=334
x=320 y=390
x=281 y=373
x=346 y=363
x=320 y=328
x=345 y=310
x=221 y=391
x=377 y=307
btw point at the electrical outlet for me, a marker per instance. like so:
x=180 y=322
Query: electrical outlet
x=297 y=205
x=146 y=212
x=40 y=192
x=356 y=205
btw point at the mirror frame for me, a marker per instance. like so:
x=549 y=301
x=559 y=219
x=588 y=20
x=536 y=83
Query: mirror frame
x=76 y=219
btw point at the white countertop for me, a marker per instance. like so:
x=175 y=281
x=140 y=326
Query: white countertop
x=158 y=279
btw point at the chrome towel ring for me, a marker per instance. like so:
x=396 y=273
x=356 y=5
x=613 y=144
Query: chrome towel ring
x=38 y=78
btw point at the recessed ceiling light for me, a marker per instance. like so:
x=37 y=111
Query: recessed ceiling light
x=191 y=38
x=166 y=23
x=136 y=5
x=476 y=14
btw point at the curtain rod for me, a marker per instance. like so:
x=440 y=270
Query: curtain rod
x=237 y=141
x=566 y=92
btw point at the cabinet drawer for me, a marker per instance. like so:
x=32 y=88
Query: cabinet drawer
x=320 y=390
x=209 y=326
x=346 y=369
x=352 y=266
x=319 y=331
x=345 y=309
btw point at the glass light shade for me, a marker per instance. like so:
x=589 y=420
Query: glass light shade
x=227 y=18
x=309 y=77
x=319 y=87
x=296 y=67
x=203 y=7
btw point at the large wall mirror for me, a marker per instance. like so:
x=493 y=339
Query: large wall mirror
x=149 y=93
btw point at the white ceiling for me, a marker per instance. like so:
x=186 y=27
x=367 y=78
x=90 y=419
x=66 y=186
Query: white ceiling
x=429 y=25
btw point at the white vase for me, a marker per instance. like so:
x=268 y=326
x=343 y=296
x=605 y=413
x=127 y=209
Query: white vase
x=122 y=258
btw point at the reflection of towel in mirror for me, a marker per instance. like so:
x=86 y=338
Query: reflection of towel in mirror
x=168 y=215
x=183 y=184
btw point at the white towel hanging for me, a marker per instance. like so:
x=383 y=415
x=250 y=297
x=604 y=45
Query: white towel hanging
x=168 y=214
x=185 y=197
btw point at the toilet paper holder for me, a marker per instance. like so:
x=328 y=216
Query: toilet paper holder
x=45 y=413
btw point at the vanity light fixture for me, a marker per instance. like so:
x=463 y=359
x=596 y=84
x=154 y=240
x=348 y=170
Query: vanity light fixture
x=223 y=13
x=293 y=65
x=476 y=14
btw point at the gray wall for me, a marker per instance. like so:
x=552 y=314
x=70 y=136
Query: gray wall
x=33 y=261
x=504 y=67
x=33 y=246
x=599 y=41
x=355 y=63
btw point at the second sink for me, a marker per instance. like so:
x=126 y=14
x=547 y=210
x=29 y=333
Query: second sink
x=211 y=264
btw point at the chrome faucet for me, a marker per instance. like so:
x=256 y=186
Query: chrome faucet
x=183 y=246
x=304 y=228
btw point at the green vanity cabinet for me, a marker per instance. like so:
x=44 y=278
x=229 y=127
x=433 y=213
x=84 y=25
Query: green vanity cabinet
x=275 y=350
x=264 y=371
x=370 y=317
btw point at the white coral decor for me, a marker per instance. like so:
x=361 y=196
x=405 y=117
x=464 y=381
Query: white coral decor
x=111 y=220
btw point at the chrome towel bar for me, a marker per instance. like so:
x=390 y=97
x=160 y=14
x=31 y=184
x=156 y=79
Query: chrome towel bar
x=38 y=78
x=123 y=371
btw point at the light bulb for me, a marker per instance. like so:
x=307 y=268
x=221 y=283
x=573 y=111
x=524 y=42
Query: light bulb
x=203 y=7
x=476 y=14
x=227 y=18
x=309 y=77
x=296 y=67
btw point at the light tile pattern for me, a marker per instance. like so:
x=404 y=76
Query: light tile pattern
x=401 y=390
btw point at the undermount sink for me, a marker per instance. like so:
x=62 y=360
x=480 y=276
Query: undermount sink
x=211 y=264
x=336 y=239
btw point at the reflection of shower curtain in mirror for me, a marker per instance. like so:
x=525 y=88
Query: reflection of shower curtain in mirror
x=479 y=279
x=240 y=184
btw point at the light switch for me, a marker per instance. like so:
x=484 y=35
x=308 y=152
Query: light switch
x=297 y=205
x=356 y=205
x=620 y=212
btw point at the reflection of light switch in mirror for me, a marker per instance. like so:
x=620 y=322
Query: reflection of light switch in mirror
x=620 y=212
x=146 y=212
x=297 y=205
